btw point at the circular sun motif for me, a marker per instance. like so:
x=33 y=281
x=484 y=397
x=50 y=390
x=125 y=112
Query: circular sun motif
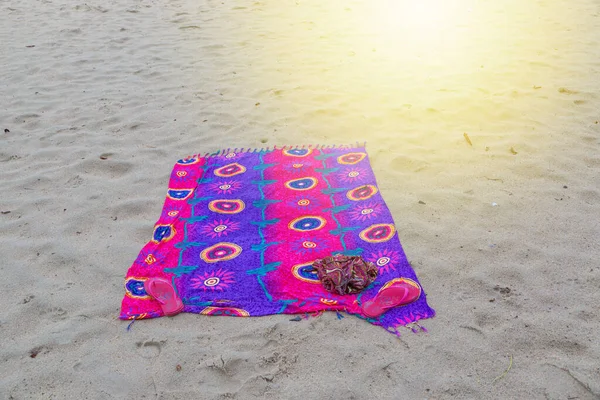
x=306 y=273
x=229 y=311
x=329 y=302
x=353 y=174
x=210 y=282
x=298 y=168
x=382 y=261
x=218 y=280
x=173 y=213
x=150 y=259
x=220 y=252
x=351 y=158
x=366 y=211
x=134 y=287
x=307 y=223
x=302 y=183
x=179 y=194
x=188 y=161
x=385 y=259
x=230 y=170
x=220 y=228
x=296 y=152
x=181 y=173
x=362 y=193
x=163 y=233
x=305 y=203
x=309 y=245
x=225 y=187
x=226 y=206
x=378 y=233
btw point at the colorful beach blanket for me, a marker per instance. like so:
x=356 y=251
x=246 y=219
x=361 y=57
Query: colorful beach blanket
x=240 y=230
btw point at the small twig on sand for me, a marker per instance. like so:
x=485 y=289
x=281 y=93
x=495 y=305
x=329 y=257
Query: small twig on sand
x=222 y=367
x=154 y=384
x=468 y=139
x=494 y=179
x=579 y=381
x=505 y=372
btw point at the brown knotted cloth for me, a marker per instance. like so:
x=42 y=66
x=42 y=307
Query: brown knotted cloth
x=345 y=274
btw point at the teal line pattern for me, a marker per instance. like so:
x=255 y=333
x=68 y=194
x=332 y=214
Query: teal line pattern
x=285 y=304
x=174 y=285
x=185 y=243
x=331 y=191
x=262 y=224
x=193 y=301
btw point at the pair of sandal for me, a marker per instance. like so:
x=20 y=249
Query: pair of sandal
x=395 y=293
x=398 y=292
x=163 y=292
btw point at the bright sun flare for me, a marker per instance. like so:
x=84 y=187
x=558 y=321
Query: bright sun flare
x=421 y=21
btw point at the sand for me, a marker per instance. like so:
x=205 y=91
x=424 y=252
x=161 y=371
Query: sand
x=99 y=98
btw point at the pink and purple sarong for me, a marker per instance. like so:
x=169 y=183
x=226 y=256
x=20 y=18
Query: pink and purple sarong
x=239 y=232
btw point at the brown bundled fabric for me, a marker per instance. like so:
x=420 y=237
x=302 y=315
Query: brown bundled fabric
x=345 y=275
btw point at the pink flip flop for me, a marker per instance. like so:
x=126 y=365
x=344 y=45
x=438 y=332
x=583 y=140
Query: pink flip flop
x=399 y=293
x=162 y=290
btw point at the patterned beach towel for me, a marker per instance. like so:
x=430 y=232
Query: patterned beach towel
x=240 y=230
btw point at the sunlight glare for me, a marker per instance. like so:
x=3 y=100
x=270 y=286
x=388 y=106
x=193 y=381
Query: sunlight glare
x=436 y=67
x=419 y=24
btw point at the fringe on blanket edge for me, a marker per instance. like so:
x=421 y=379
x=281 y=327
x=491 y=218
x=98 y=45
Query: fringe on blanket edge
x=273 y=148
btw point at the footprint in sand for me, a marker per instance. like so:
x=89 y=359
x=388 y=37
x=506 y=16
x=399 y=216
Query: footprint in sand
x=55 y=313
x=25 y=118
x=404 y=163
x=74 y=181
x=104 y=166
x=149 y=349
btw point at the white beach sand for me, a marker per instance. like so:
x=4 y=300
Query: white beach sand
x=114 y=92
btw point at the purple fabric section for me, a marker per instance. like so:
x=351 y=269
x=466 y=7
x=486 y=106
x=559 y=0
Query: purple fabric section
x=239 y=229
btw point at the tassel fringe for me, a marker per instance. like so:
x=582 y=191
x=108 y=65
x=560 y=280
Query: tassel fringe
x=131 y=323
x=224 y=151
